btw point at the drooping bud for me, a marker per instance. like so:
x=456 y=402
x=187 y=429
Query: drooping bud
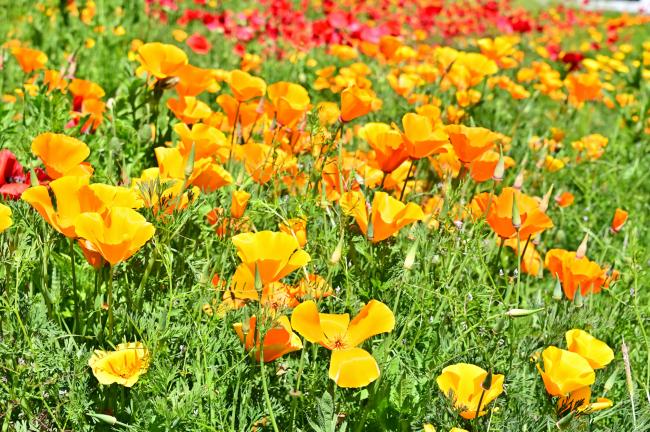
x=516 y=217
x=582 y=249
x=543 y=205
x=409 y=261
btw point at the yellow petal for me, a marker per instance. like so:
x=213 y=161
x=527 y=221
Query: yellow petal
x=374 y=318
x=353 y=367
x=305 y=319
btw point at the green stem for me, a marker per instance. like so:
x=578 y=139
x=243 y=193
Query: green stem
x=110 y=300
x=267 y=399
x=75 y=293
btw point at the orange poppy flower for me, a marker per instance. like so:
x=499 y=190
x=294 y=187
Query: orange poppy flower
x=387 y=143
x=54 y=81
x=575 y=272
x=208 y=141
x=238 y=203
x=580 y=401
x=388 y=215
x=290 y=102
x=195 y=80
x=73 y=197
x=273 y=254
x=189 y=109
x=84 y=89
x=565 y=199
x=620 y=217
x=463 y=382
x=245 y=87
x=470 y=142
x=161 y=60
x=29 y=59
x=482 y=168
x=421 y=139
x=499 y=216
x=350 y=366
x=583 y=87
x=296 y=227
x=355 y=102
x=565 y=371
x=93 y=257
x=62 y=155
x=277 y=341
x=244 y=113
x=263 y=161
x=116 y=235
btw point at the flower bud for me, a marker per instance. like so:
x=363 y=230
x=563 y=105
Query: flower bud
x=543 y=205
x=499 y=169
x=487 y=381
x=609 y=384
x=516 y=217
x=582 y=249
x=189 y=165
x=409 y=261
x=578 y=300
x=557 y=291
x=338 y=251
x=517 y=313
x=519 y=180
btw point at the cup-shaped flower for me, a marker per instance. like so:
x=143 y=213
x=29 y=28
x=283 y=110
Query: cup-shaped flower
x=565 y=371
x=388 y=215
x=350 y=366
x=244 y=86
x=5 y=217
x=189 y=109
x=29 y=59
x=62 y=155
x=421 y=139
x=296 y=227
x=499 y=214
x=116 y=235
x=387 y=143
x=575 y=272
x=273 y=254
x=278 y=340
x=620 y=217
x=161 y=60
x=207 y=141
x=470 y=142
x=597 y=352
x=580 y=401
x=72 y=195
x=463 y=383
x=13 y=180
x=123 y=366
x=355 y=102
x=238 y=203
x=290 y=102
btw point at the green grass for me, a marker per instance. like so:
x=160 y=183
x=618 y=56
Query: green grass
x=450 y=307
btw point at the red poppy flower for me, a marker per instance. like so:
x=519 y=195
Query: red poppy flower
x=199 y=44
x=12 y=176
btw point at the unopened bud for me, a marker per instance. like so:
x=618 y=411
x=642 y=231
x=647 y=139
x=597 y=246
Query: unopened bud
x=519 y=180
x=557 y=291
x=578 y=300
x=409 y=261
x=500 y=169
x=487 y=381
x=609 y=384
x=516 y=217
x=518 y=313
x=565 y=421
x=260 y=107
x=582 y=249
x=370 y=232
x=547 y=197
x=33 y=178
x=189 y=165
x=338 y=251
x=258 y=280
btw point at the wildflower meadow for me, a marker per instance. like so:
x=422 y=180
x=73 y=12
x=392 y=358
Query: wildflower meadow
x=325 y=216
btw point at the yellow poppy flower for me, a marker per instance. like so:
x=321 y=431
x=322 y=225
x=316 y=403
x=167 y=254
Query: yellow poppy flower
x=123 y=366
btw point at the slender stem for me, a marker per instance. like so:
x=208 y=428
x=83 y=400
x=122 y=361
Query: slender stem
x=75 y=293
x=110 y=300
x=266 y=389
x=401 y=195
x=518 y=291
x=478 y=408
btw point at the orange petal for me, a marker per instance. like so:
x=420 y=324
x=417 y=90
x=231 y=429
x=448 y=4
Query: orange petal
x=353 y=367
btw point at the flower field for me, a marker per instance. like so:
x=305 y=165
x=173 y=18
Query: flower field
x=323 y=216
